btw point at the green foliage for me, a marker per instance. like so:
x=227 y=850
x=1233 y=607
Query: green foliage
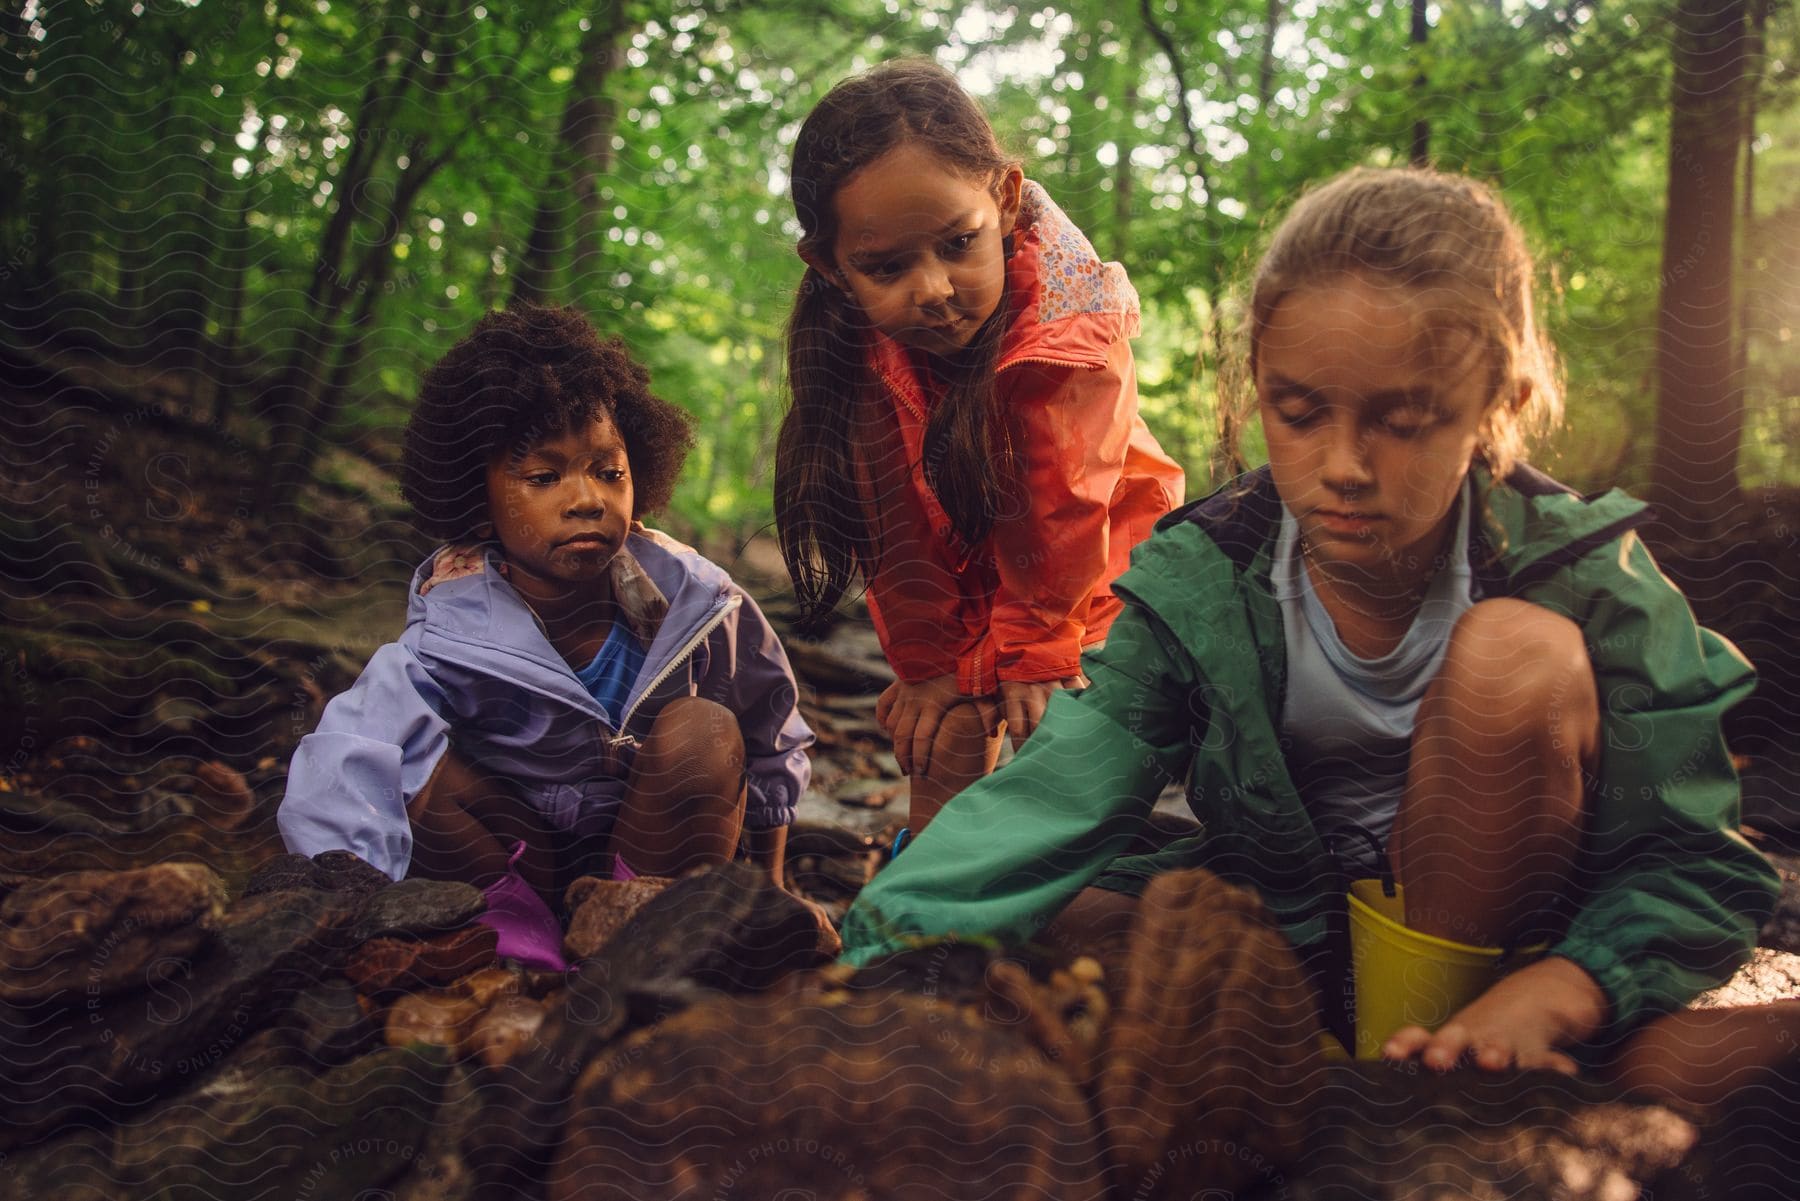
x=173 y=170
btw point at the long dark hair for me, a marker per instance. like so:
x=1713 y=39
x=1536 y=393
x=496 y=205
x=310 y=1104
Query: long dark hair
x=828 y=535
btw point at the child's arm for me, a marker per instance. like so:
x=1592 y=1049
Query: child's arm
x=352 y=778
x=1072 y=434
x=1014 y=848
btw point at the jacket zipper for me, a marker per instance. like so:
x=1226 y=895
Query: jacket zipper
x=1084 y=365
x=712 y=623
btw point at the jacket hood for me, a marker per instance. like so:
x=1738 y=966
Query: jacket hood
x=1068 y=305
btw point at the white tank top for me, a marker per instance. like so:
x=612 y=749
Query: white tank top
x=1347 y=722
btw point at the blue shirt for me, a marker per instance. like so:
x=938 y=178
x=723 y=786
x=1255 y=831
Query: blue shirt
x=614 y=670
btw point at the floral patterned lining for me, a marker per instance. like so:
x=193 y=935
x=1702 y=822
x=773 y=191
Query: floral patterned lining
x=1074 y=280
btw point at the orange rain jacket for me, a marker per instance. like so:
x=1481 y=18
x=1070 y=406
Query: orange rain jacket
x=1023 y=603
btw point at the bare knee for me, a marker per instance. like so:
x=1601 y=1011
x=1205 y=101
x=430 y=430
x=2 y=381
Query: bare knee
x=963 y=748
x=684 y=806
x=1522 y=673
x=696 y=736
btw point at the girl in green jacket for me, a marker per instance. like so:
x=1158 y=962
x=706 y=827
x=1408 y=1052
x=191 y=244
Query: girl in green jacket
x=1395 y=652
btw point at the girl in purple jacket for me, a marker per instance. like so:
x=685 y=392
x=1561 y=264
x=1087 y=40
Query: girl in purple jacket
x=566 y=674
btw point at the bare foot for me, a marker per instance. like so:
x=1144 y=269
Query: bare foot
x=1521 y=1022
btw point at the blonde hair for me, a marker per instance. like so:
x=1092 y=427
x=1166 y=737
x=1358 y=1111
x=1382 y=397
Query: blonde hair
x=1449 y=236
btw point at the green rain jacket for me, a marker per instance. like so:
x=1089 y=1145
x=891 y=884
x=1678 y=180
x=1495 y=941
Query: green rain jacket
x=1189 y=686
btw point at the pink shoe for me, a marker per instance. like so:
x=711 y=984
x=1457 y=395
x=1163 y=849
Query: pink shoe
x=528 y=931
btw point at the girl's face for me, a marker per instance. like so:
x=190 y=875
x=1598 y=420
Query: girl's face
x=919 y=247
x=1370 y=430
x=561 y=507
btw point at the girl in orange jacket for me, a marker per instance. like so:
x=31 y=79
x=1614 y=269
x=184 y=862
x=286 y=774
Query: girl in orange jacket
x=964 y=432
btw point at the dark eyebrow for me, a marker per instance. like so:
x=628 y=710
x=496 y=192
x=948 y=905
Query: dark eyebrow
x=522 y=455
x=1403 y=398
x=1282 y=388
x=880 y=254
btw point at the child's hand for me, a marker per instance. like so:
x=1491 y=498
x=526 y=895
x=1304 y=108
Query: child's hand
x=1022 y=703
x=911 y=714
x=1518 y=1023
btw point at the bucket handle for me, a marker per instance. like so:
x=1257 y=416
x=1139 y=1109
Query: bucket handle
x=1388 y=888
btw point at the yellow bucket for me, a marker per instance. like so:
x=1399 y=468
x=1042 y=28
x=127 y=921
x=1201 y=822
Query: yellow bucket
x=1404 y=978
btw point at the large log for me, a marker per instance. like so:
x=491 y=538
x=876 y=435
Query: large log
x=832 y=1095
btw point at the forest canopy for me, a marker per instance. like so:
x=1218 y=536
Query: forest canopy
x=300 y=205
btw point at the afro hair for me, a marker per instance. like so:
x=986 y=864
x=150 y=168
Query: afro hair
x=519 y=377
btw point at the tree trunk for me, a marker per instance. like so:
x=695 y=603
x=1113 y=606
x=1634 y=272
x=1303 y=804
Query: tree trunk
x=1699 y=415
x=1127 y=143
x=231 y=317
x=587 y=132
x=293 y=425
x=535 y=279
x=1755 y=68
x=1421 y=129
x=582 y=155
x=1265 y=96
x=370 y=283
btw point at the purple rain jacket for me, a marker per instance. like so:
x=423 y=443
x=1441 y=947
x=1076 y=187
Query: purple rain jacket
x=473 y=666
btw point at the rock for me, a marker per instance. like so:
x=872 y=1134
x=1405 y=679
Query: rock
x=839 y=1095
x=817 y=810
x=871 y=793
x=504 y=1030
x=418 y=908
x=1782 y=930
x=329 y=871
x=439 y=1173
x=1770 y=975
x=222 y=795
x=329 y=1024
x=1385 y=1132
x=286 y=1134
x=600 y=908
x=31 y=856
x=491 y=984
x=76 y=1167
x=1212 y=1055
x=103 y=932
x=113 y=1052
x=849 y=660
x=384 y=965
x=728 y=930
x=443 y=1019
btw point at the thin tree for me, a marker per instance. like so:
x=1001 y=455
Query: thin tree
x=1700 y=403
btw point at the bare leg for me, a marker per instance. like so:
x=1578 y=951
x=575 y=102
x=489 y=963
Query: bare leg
x=684 y=806
x=963 y=751
x=1697 y=1057
x=1490 y=824
x=465 y=824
